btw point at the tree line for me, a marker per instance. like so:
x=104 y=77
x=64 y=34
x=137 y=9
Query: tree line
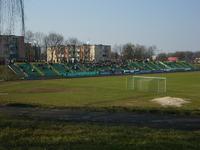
x=188 y=56
x=126 y=52
x=44 y=41
x=133 y=52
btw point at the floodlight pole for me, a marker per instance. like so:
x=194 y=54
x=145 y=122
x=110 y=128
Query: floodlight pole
x=22 y=13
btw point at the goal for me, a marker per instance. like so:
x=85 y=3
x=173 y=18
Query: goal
x=147 y=84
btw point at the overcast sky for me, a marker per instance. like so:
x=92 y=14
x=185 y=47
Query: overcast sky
x=169 y=24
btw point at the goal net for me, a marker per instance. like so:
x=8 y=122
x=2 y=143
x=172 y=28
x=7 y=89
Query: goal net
x=147 y=84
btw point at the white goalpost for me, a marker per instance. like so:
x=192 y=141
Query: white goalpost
x=147 y=84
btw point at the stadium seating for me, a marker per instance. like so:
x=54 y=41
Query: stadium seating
x=187 y=65
x=29 y=70
x=42 y=70
x=179 y=66
x=155 y=66
x=60 y=68
x=46 y=70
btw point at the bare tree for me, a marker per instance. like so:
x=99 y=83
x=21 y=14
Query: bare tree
x=115 y=56
x=118 y=48
x=35 y=38
x=151 y=51
x=162 y=57
x=137 y=52
x=39 y=39
x=128 y=51
x=73 y=41
x=54 y=41
x=29 y=37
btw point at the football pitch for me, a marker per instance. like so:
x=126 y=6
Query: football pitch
x=100 y=92
x=23 y=127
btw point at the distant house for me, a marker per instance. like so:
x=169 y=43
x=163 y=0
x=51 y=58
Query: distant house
x=172 y=59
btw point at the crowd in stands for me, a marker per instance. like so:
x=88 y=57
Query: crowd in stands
x=37 y=70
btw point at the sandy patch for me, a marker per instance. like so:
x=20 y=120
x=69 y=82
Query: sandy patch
x=170 y=101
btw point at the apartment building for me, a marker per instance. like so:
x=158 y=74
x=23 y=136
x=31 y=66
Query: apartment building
x=73 y=53
x=12 y=47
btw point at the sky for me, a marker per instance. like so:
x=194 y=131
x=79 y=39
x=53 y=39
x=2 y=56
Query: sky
x=171 y=25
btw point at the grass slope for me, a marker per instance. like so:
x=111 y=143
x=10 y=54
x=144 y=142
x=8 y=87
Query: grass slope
x=99 y=92
x=7 y=74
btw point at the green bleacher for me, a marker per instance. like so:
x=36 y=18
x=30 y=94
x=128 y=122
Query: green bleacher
x=37 y=70
x=29 y=70
x=170 y=65
x=188 y=65
x=60 y=68
x=155 y=66
x=143 y=66
x=179 y=66
x=46 y=70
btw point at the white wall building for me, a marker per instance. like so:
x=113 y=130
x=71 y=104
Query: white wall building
x=79 y=53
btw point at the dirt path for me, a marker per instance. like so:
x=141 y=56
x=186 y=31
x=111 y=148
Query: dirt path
x=128 y=118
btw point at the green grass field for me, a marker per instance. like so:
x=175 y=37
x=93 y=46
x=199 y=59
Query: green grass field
x=107 y=93
x=103 y=92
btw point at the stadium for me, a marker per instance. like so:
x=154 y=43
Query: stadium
x=57 y=94
x=101 y=85
x=80 y=101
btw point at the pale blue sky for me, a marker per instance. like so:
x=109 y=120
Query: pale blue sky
x=169 y=24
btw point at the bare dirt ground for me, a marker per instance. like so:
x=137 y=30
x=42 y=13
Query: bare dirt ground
x=171 y=101
x=160 y=121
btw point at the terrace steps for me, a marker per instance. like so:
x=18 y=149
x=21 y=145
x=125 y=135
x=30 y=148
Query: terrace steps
x=38 y=70
x=168 y=67
x=55 y=70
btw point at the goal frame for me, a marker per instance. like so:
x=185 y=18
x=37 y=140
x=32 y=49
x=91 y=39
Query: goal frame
x=133 y=84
